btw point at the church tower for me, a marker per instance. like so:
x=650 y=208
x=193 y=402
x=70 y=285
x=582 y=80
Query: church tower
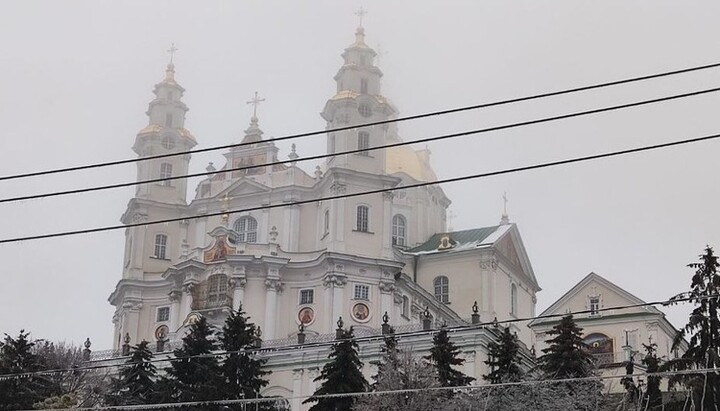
x=358 y=100
x=164 y=134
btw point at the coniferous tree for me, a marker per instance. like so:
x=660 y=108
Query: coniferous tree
x=136 y=383
x=566 y=356
x=17 y=356
x=243 y=372
x=653 y=395
x=341 y=375
x=703 y=328
x=193 y=378
x=504 y=359
x=444 y=355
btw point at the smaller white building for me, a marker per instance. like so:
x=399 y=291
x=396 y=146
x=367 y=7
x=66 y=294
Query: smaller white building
x=614 y=336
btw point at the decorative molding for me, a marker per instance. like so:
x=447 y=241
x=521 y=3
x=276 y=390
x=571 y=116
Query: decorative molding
x=298 y=373
x=274 y=284
x=388 y=195
x=386 y=287
x=489 y=264
x=138 y=218
x=338 y=188
x=397 y=298
x=334 y=280
x=174 y=296
x=237 y=282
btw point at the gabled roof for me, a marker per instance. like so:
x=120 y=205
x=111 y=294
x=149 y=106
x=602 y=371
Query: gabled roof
x=459 y=239
x=556 y=307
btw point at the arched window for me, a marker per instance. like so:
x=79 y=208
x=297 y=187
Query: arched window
x=406 y=306
x=160 y=246
x=442 y=289
x=246 y=228
x=363 y=142
x=216 y=291
x=363 y=218
x=513 y=299
x=166 y=172
x=398 y=230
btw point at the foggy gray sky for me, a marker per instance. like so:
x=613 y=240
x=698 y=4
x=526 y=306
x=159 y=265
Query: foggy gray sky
x=76 y=78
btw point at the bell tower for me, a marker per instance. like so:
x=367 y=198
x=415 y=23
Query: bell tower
x=165 y=133
x=358 y=100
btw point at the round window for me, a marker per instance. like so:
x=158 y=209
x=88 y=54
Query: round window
x=365 y=110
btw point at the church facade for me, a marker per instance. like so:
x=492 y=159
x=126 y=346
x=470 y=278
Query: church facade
x=296 y=247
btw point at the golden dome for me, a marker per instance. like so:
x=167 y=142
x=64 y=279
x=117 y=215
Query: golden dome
x=404 y=159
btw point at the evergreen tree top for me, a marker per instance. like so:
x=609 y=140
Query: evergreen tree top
x=566 y=356
x=504 y=358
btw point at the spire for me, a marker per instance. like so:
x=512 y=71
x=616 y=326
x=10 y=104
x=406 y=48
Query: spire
x=505 y=220
x=253 y=133
x=170 y=69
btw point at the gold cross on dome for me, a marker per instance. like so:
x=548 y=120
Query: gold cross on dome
x=255 y=102
x=360 y=13
x=172 y=50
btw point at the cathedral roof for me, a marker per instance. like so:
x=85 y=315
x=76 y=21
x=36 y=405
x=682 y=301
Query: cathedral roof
x=459 y=240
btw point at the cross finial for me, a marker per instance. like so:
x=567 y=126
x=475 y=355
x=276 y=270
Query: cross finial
x=505 y=201
x=172 y=50
x=255 y=102
x=504 y=220
x=360 y=13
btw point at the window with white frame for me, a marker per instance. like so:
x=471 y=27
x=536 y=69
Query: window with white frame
x=513 y=299
x=246 y=228
x=168 y=142
x=160 y=246
x=363 y=142
x=363 y=218
x=594 y=303
x=442 y=289
x=163 y=314
x=399 y=227
x=307 y=296
x=362 y=292
x=166 y=172
x=217 y=290
x=406 y=306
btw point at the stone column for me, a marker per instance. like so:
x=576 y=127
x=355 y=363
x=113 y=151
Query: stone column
x=297 y=388
x=184 y=245
x=386 y=298
x=313 y=373
x=175 y=297
x=137 y=251
x=272 y=287
x=237 y=285
x=334 y=298
x=294 y=222
x=132 y=317
x=337 y=217
x=386 y=230
x=327 y=304
x=469 y=363
x=187 y=300
x=201 y=230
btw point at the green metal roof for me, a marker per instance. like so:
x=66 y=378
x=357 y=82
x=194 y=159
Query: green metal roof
x=459 y=239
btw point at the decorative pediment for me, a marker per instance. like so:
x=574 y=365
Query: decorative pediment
x=243 y=188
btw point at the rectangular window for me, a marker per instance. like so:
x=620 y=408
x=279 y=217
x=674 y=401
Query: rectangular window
x=363 y=143
x=160 y=246
x=363 y=218
x=362 y=292
x=166 y=172
x=363 y=86
x=326 y=227
x=594 y=305
x=168 y=120
x=307 y=296
x=163 y=314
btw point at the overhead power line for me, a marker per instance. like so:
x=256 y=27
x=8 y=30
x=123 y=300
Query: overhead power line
x=363 y=193
x=399 y=336
x=382 y=147
x=375 y=123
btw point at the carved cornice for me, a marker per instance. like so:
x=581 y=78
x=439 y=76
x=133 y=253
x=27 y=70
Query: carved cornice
x=274 y=284
x=174 y=296
x=237 y=282
x=386 y=287
x=338 y=188
x=334 y=280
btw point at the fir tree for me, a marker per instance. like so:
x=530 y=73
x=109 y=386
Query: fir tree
x=193 y=378
x=444 y=355
x=653 y=395
x=504 y=359
x=243 y=372
x=566 y=356
x=17 y=356
x=703 y=328
x=341 y=375
x=136 y=382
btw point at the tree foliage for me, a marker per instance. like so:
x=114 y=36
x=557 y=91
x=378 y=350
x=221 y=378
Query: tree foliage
x=652 y=398
x=703 y=328
x=341 y=375
x=17 y=356
x=135 y=384
x=504 y=359
x=243 y=373
x=566 y=356
x=444 y=356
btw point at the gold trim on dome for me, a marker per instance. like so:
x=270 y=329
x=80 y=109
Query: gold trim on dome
x=345 y=94
x=185 y=133
x=404 y=159
x=152 y=128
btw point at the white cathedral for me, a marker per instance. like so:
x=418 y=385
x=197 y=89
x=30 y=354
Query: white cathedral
x=355 y=258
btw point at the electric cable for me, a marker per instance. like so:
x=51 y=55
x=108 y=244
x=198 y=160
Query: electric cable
x=703 y=371
x=399 y=337
x=355 y=151
x=375 y=123
x=370 y=192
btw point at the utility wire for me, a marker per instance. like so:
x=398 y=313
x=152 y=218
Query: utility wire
x=399 y=336
x=364 y=193
x=375 y=123
x=488 y=387
x=402 y=143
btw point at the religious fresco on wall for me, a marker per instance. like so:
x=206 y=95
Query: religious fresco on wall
x=218 y=251
x=361 y=312
x=306 y=315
